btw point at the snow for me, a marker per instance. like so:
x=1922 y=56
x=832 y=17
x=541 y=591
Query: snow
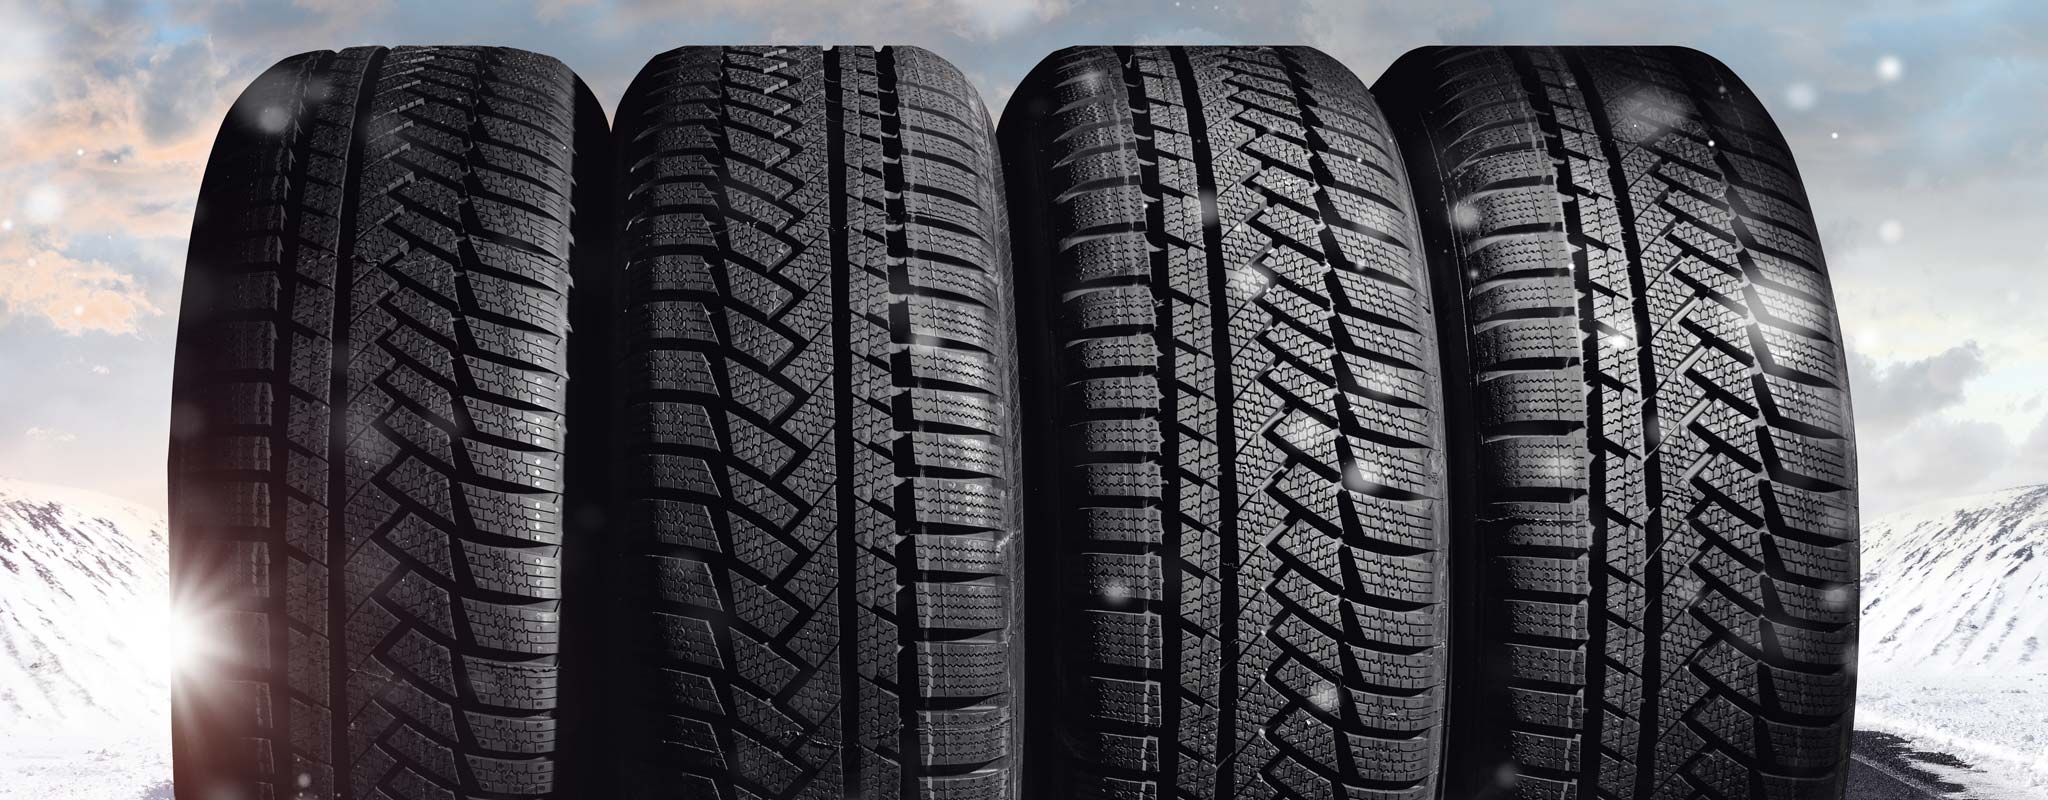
x=77 y=766
x=1801 y=96
x=1890 y=68
x=44 y=204
x=1993 y=722
x=1891 y=231
x=1958 y=586
x=1955 y=614
x=84 y=616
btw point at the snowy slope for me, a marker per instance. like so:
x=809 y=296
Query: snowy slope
x=1955 y=636
x=84 y=622
x=1958 y=586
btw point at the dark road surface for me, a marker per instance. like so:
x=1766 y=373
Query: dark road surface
x=1886 y=767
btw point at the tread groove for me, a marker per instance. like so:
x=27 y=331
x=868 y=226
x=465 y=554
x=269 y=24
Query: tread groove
x=337 y=399
x=1226 y=438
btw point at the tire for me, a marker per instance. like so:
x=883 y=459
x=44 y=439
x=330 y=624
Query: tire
x=366 y=464
x=1643 y=352
x=1237 y=422
x=819 y=489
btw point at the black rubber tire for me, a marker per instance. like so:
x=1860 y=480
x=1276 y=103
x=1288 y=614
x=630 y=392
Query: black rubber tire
x=1647 y=374
x=817 y=366
x=366 y=462
x=1234 y=405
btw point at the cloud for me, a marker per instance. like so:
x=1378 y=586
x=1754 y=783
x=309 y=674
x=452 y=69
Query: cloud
x=2030 y=464
x=1923 y=432
x=42 y=434
x=74 y=296
x=1933 y=459
x=1184 y=36
x=180 y=89
x=43 y=204
x=1368 y=36
x=988 y=19
x=917 y=22
x=25 y=40
x=1889 y=397
x=551 y=10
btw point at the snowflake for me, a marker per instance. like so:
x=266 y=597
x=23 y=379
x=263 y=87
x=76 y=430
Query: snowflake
x=1802 y=96
x=1890 y=68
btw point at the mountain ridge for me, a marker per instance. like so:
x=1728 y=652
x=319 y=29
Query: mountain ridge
x=86 y=636
x=1952 y=585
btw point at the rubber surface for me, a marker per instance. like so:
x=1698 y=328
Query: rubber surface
x=1643 y=356
x=366 y=460
x=1239 y=531
x=819 y=509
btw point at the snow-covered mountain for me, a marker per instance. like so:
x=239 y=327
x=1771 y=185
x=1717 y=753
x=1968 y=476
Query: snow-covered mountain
x=84 y=621
x=1959 y=585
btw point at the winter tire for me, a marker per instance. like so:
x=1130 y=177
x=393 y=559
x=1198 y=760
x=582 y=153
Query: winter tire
x=1238 y=522
x=366 y=465
x=818 y=482
x=1658 y=591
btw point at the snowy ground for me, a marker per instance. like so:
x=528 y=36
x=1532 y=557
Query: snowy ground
x=1991 y=723
x=109 y=765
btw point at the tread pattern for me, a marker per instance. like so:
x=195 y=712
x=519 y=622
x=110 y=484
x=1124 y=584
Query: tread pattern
x=816 y=367
x=366 y=475
x=1241 y=428
x=1665 y=506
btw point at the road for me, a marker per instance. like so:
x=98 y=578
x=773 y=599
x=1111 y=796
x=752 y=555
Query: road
x=1886 y=768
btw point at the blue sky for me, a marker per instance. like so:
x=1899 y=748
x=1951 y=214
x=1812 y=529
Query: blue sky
x=1921 y=128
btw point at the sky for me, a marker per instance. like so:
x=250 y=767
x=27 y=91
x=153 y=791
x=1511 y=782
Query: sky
x=1921 y=129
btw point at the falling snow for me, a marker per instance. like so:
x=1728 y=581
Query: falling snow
x=1801 y=96
x=1890 y=68
x=1245 y=281
x=1357 y=477
x=1465 y=216
x=273 y=119
x=1838 y=596
x=1891 y=231
x=44 y=204
x=1325 y=697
